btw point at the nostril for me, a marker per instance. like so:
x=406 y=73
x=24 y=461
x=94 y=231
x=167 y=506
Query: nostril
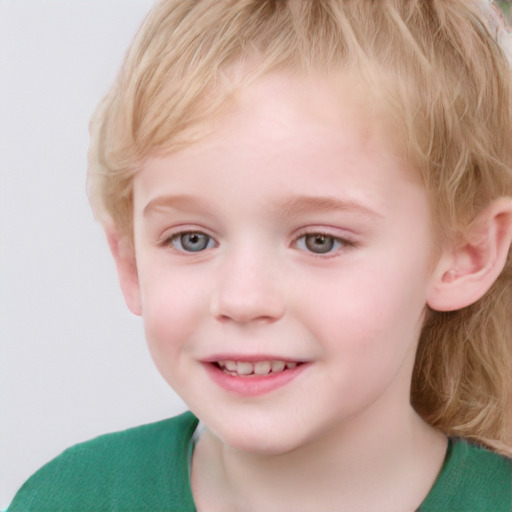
x=246 y=312
x=243 y=295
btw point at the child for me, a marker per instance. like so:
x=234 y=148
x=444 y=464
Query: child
x=309 y=203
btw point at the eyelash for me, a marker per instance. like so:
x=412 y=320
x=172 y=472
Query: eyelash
x=337 y=244
x=178 y=237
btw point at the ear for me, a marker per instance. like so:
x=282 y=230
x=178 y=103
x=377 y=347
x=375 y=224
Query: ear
x=466 y=270
x=124 y=256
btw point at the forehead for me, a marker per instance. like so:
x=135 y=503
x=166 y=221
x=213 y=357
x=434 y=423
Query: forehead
x=292 y=104
x=288 y=107
x=285 y=134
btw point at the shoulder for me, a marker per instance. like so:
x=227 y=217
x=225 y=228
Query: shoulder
x=143 y=468
x=472 y=478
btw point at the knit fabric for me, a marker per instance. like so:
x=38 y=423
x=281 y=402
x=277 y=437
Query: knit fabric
x=146 y=469
x=472 y=479
x=140 y=469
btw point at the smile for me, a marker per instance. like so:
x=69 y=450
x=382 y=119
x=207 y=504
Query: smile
x=256 y=368
x=255 y=377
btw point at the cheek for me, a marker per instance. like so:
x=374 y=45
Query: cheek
x=372 y=313
x=368 y=337
x=171 y=310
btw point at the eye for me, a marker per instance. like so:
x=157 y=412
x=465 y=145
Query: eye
x=320 y=243
x=192 y=241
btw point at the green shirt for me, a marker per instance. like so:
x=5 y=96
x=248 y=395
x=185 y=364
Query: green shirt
x=146 y=469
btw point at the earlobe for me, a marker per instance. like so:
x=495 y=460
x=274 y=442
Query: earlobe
x=124 y=256
x=467 y=270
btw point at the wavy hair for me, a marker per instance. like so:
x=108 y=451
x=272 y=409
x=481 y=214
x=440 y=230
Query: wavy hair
x=440 y=68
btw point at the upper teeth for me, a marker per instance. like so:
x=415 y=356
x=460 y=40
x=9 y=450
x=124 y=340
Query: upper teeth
x=254 y=368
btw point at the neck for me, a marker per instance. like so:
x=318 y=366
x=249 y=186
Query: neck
x=353 y=467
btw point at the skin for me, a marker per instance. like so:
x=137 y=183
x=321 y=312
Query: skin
x=293 y=159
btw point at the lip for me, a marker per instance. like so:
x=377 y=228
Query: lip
x=252 y=358
x=253 y=385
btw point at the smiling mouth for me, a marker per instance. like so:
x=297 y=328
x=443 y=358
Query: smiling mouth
x=257 y=368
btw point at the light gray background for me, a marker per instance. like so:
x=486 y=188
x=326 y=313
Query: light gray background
x=73 y=362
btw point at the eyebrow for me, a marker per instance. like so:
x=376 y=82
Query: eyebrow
x=288 y=207
x=180 y=201
x=298 y=205
x=291 y=206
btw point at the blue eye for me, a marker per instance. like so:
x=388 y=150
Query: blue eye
x=193 y=241
x=319 y=243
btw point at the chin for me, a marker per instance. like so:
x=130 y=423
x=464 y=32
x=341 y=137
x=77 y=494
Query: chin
x=258 y=441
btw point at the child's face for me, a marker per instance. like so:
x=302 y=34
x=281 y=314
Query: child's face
x=292 y=234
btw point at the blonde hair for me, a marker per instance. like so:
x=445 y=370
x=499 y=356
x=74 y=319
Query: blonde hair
x=442 y=69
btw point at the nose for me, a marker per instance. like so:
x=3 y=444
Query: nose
x=249 y=290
